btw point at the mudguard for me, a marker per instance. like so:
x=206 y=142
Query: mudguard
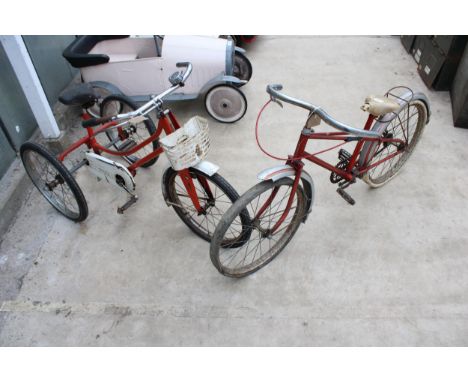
x=221 y=79
x=206 y=167
x=112 y=89
x=283 y=171
x=369 y=148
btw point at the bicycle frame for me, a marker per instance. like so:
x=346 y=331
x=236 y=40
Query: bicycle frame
x=348 y=174
x=167 y=122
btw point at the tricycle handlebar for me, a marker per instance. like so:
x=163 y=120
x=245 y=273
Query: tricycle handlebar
x=274 y=91
x=187 y=72
x=179 y=79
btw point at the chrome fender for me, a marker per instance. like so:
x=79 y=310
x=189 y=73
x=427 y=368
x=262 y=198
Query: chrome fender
x=369 y=148
x=204 y=166
x=283 y=171
x=221 y=79
x=112 y=89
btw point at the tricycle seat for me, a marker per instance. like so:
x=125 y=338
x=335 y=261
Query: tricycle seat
x=81 y=95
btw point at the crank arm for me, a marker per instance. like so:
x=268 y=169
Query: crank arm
x=133 y=199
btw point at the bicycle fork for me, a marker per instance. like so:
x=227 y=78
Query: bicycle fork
x=189 y=184
x=298 y=167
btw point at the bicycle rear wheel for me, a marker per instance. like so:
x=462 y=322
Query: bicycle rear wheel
x=258 y=246
x=54 y=181
x=137 y=133
x=407 y=125
x=223 y=195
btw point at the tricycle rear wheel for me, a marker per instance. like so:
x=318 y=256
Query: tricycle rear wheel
x=54 y=181
x=116 y=104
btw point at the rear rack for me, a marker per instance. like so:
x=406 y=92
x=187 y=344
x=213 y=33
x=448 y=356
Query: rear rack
x=397 y=93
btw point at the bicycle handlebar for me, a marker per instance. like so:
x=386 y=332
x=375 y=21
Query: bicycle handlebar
x=274 y=91
x=157 y=100
x=96 y=121
x=187 y=72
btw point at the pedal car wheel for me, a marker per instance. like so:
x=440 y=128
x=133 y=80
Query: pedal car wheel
x=242 y=68
x=54 y=181
x=116 y=104
x=225 y=103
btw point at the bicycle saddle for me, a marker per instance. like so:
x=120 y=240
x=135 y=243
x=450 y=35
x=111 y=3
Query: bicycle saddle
x=378 y=106
x=83 y=95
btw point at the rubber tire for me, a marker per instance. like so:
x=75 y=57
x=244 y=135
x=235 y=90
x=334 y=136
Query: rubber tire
x=64 y=173
x=149 y=124
x=413 y=144
x=169 y=177
x=240 y=56
x=230 y=86
x=95 y=109
x=241 y=205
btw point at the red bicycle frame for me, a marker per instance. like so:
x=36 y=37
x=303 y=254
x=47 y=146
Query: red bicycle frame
x=168 y=123
x=349 y=173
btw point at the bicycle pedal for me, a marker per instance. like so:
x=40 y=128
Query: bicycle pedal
x=133 y=199
x=346 y=196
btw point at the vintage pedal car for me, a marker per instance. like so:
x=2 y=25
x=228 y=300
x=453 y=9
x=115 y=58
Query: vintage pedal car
x=139 y=67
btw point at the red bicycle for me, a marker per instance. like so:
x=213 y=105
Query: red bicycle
x=275 y=207
x=192 y=186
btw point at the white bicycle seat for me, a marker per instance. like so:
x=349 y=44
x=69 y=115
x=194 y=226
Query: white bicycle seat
x=378 y=106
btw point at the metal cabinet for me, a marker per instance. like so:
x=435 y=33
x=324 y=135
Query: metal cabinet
x=459 y=93
x=438 y=58
x=407 y=42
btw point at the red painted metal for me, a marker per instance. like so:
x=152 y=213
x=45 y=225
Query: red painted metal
x=364 y=170
x=190 y=187
x=298 y=167
x=167 y=123
x=153 y=154
x=358 y=147
x=267 y=203
x=206 y=186
x=73 y=147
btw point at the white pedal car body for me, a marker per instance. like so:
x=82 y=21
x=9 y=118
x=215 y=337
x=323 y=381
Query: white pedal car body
x=139 y=67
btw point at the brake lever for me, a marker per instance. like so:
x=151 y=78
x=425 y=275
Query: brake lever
x=272 y=99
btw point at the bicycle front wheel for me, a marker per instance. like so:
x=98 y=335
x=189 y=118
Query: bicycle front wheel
x=259 y=246
x=54 y=181
x=215 y=194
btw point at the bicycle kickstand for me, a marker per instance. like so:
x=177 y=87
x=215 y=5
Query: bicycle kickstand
x=341 y=186
x=131 y=201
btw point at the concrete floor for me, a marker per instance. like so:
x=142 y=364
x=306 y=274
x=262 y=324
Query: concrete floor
x=390 y=270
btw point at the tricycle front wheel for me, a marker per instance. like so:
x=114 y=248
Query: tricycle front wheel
x=225 y=103
x=215 y=194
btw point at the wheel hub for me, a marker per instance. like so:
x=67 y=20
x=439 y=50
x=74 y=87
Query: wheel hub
x=225 y=103
x=265 y=232
x=54 y=183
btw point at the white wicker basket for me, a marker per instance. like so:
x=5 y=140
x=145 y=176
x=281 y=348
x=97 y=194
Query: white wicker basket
x=188 y=145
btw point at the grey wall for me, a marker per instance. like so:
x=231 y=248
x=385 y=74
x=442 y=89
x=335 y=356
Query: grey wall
x=54 y=73
x=18 y=120
x=53 y=70
x=7 y=154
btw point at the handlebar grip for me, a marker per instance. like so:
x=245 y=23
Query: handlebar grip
x=183 y=64
x=95 y=121
x=277 y=87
